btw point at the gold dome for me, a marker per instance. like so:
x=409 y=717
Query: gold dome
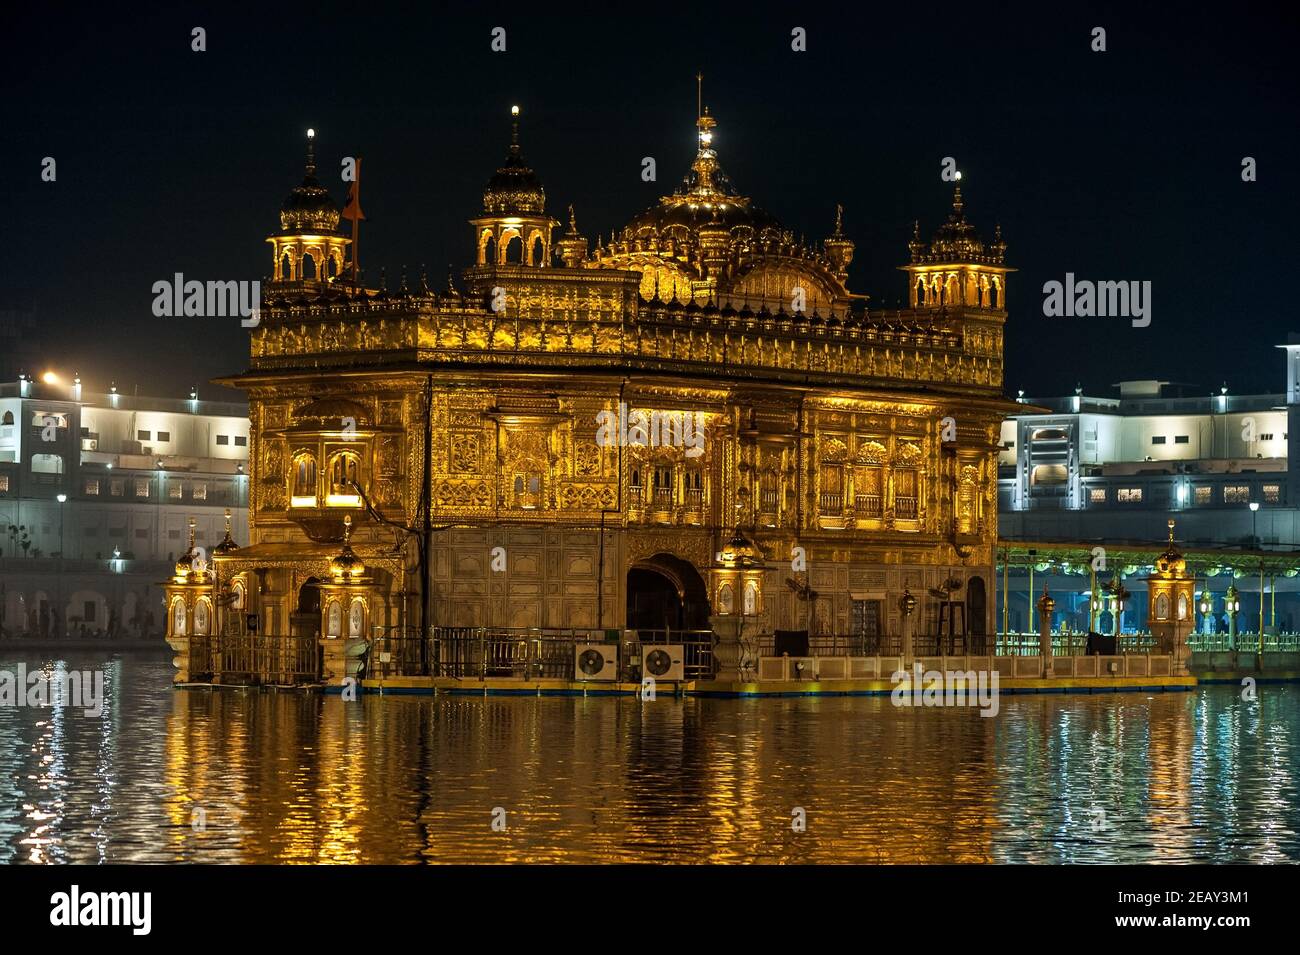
x=1171 y=562
x=515 y=188
x=309 y=208
x=957 y=241
x=347 y=565
x=741 y=552
x=227 y=545
x=192 y=566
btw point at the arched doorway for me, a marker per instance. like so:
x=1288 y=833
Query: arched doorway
x=666 y=593
x=977 y=613
x=305 y=620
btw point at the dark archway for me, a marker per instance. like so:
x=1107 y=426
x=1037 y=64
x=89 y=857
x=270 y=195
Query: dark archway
x=666 y=593
x=977 y=613
x=305 y=621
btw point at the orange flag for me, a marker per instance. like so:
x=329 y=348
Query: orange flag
x=352 y=210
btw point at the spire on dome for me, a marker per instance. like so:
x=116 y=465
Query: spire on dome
x=515 y=189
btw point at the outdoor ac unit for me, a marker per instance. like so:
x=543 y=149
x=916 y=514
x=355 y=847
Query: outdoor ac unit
x=595 y=661
x=663 y=661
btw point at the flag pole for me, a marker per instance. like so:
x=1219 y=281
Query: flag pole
x=356 y=222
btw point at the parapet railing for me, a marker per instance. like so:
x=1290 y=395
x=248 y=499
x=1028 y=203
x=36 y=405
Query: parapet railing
x=523 y=653
x=829 y=669
x=1074 y=643
x=262 y=658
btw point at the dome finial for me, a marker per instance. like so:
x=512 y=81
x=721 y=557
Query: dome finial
x=573 y=220
x=839 y=220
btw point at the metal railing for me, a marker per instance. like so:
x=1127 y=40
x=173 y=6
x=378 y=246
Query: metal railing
x=267 y=658
x=1075 y=643
x=905 y=507
x=697 y=649
x=521 y=653
x=868 y=505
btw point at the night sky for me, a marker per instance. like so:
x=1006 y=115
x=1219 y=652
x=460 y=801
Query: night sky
x=1123 y=165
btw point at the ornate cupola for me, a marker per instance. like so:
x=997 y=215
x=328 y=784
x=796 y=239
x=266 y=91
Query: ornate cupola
x=839 y=248
x=227 y=545
x=514 y=228
x=573 y=247
x=1171 y=610
x=189 y=601
x=192 y=567
x=308 y=247
x=957 y=268
x=347 y=567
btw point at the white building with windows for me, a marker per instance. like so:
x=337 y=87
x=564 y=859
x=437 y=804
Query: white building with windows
x=96 y=492
x=1118 y=467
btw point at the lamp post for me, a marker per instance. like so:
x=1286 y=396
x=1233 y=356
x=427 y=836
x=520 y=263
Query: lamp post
x=1232 y=604
x=1045 y=607
x=1254 y=514
x=1206 y=606
x=62 y=499
x=907 y=604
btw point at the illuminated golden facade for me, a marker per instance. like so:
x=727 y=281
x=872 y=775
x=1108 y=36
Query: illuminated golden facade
x=755 y=403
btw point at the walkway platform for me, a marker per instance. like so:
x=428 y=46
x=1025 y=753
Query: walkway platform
x=718 y=688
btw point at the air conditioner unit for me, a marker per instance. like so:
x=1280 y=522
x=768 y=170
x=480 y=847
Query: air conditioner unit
x=663 y=661
x=595 y=661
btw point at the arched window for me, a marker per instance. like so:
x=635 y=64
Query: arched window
x=47 y=464
x=356 y=617
x=202 y=616
x=663 y=485
x=308 y=266
x=178 y=617
x=514 y=250
x=286 y=267
x=489 y=253
x=345 y=477
x=539 y=251
x=8 y=418
x=528 y=490
x=304 y=480
x=906 y=485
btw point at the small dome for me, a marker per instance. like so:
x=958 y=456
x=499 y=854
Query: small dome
x=227 y=545
x=309 y=208
x=740 y=551
x=346 y=565
x=514 y=188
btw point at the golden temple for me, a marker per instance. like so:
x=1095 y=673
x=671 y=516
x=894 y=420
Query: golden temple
x=783 y=458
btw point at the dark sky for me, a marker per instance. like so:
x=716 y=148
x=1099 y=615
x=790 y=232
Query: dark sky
x=1115 y=165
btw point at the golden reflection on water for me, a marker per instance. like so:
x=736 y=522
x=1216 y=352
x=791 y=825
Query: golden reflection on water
x=248 y=776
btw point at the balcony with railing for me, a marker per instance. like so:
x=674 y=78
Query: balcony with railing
x=868 y=506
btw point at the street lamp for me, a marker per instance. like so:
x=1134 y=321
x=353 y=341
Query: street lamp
x=1254 y=513
x=1206 y=606
x=62 y=499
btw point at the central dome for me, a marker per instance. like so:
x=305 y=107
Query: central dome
x=706 y=198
